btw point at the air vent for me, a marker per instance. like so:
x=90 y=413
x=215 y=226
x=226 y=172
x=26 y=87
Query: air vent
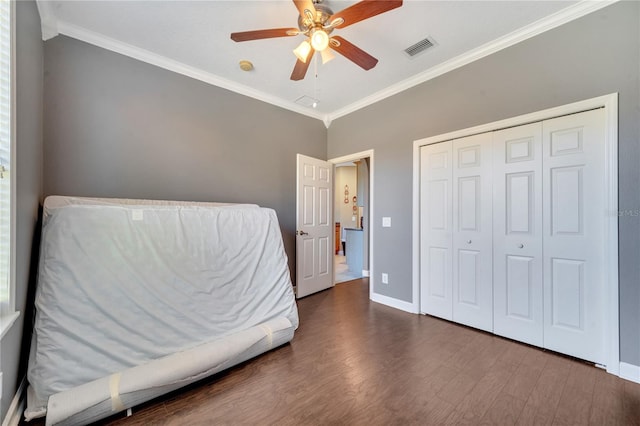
x=419 y=47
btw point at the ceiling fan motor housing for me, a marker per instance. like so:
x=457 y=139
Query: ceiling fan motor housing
x=322 y=15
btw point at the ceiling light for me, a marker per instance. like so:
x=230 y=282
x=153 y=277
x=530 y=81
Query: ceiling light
x=302 y=51
x=319 y=39
x=327 y=55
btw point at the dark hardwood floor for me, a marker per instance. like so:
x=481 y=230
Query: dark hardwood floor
x=355 y=362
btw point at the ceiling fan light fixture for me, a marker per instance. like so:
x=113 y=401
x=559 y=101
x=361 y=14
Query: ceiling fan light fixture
x=319 y=39
x=327 y=55
x=302 y=51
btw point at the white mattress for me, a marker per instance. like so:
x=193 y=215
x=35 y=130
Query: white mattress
x=124 y=285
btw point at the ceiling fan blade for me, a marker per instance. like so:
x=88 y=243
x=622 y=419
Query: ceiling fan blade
x=353 y=53
x=303 y=5
x=363 y=10
x=300 y=69
x=260 y=34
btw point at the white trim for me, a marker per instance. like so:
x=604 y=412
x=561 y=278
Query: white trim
x=610 y=103
x=359 y=156
x=6 y=322
x=178 y=67
x=547 y=23
x=630 y=372
x=394 y=303
x=415 y=240
x=48 y=19
x=14 y=413
x=13 y=173
x=51 y=27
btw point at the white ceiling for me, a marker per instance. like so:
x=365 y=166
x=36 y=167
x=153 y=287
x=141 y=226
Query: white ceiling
x=192 y=37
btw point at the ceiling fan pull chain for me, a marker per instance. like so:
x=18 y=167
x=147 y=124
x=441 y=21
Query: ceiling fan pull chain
x=315 y=81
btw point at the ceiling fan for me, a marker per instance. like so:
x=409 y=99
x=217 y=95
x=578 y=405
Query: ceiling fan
x=317 y=21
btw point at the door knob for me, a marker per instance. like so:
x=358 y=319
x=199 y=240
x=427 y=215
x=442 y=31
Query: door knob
x=468 y=241
x=301 y=233
x=520 y=245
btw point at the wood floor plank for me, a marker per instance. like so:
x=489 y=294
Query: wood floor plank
x=631 y=403
x=523 y=381
x=505 y=410
x=574 y=407
x=545 y=395
x=476 y=403
x=355 y=362
x=608 y=400
x=457 y=388
x=531 y=416
x=486 y=359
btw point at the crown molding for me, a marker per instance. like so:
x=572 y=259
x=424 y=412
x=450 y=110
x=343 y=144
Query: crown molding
x=48 y=19
x=149 y=57
x=51 y=27
x=575 y=11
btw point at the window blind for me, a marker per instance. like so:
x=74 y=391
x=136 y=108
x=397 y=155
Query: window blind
x=5 y=154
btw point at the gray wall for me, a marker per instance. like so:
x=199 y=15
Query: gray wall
x=29 y=58
x=593 y=56
x=118 y=127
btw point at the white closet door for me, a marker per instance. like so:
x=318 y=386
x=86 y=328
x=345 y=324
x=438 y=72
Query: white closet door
x=517 y=233
x=436 y=229
x=574 y=211
x=472 y=236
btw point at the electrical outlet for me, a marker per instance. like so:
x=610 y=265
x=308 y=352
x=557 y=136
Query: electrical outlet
x=385 y=278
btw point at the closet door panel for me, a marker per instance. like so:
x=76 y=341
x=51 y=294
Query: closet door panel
x=517 y=233
x=574 y=214
x=472 y=236
x=436 y=223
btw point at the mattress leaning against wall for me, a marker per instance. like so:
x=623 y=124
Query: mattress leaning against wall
x=137 y=298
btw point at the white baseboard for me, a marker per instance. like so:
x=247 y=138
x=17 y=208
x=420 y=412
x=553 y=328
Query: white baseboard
x=630 y=372
x=394 y=303
x=14 y=414
x=365 y=273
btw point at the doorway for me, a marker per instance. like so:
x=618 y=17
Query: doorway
x=352 y=208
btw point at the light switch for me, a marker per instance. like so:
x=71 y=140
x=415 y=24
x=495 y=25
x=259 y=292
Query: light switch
x=386 y=222
x=353 y=218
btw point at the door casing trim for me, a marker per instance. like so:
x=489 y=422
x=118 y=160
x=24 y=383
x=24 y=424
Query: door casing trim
x=353 y=157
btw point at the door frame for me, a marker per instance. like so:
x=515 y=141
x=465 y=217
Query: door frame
x=353 y=157
x=610 y=105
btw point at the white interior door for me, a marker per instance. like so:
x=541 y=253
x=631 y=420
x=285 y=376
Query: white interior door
x=436 y=223
x=517 y=233
x=314 y=221
x=472 y=236
x=574 y=217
